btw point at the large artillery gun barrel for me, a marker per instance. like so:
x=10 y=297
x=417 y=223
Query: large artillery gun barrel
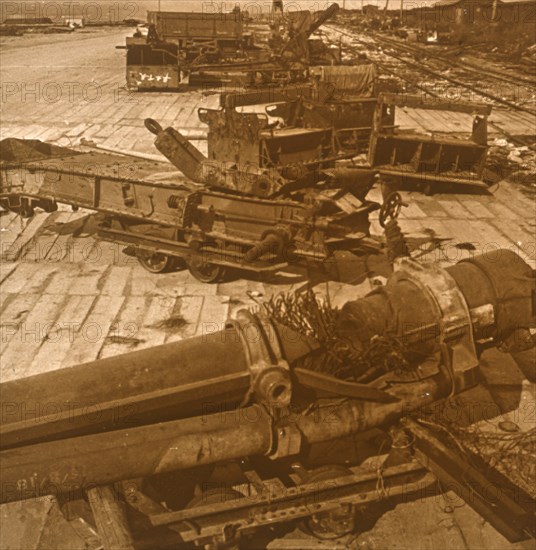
x=322 y=17
x=297 y=41
x=246 y=378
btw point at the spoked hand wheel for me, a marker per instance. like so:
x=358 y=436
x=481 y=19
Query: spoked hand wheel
x=391 y=208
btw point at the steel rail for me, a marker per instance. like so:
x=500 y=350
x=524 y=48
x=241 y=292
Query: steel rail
x=430 y=71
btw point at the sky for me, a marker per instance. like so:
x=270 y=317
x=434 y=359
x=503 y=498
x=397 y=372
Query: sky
x=117 y=10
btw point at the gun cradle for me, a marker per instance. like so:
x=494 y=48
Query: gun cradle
x=234 y=422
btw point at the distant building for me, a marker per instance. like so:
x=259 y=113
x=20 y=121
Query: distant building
x=73 y=22
x=25 y=20
x=466 y=12
x=371 y=10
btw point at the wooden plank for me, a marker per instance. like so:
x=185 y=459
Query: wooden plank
x=39 y=280
x=77 y=130
x=6 y=269
x=500 y=210
x=64 y=246
x=413 y=227
x=16 y=357
x=94 y=332
x=124 y=331
x=6 y=219
x=37 y=247
x=459 y=233
x=522 y=242
x=19 y=277
x=405 y=121
x=63 y=279
x=432 y=208
x=187 y=313
x=144 y=283
x=477 y=209
x=67 y=328
x=29 y=233
x=47 y=244
x=508 y=194
x=83 y=246
x=454 y=208
x=413 y=210
x=214 y=311
x=110 y=253
x=162 y=108
x=12 y=231
x=113 y=140
x=451 y=123
x=17 y=308
x=110 y=518
x=154 y=329
x=88 y=280
x=116 y=281
x=490 y=239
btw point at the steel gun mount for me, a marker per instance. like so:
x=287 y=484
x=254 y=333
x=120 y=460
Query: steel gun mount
x=263 y=200
x=254 y=405
x=297 y=48
x=217 y=49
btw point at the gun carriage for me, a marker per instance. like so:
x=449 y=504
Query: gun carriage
x=229 y=435
x=263 y=199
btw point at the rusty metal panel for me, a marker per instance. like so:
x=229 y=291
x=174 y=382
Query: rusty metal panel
x=153 y=77
x=423 y=161
x=180 y=25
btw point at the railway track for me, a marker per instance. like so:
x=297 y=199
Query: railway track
x=445 y=70
x=488 y=72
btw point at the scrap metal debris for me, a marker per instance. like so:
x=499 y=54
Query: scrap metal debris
x=244 y=404
x=511 y=453
x=307 y=313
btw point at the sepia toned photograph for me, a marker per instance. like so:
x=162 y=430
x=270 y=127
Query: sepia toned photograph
x=268 y=274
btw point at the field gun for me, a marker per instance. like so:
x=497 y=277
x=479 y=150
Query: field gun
x=301 y=26
x=268 y=420
x=265 y=198
x=217 y=48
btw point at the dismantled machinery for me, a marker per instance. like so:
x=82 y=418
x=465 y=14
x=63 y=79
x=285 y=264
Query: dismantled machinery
x=258 y=207
x=414 y=160
x=269 y=420
x=175 y=41
x=344 y=101
x=271 y=192
x=340 y=98
x=216 y=49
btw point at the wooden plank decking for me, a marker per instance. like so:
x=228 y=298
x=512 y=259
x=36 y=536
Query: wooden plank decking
x=67 y=298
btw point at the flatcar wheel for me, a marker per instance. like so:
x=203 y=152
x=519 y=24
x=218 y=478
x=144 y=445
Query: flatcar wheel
x=155 y=262
x=206 y=272
x=218 y=496
x=331 y=524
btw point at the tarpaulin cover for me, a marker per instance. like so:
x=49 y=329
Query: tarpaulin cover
x=358 y=80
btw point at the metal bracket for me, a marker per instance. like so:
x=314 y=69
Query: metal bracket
x=456 y=340
x=287 y=442
x=270 y=372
